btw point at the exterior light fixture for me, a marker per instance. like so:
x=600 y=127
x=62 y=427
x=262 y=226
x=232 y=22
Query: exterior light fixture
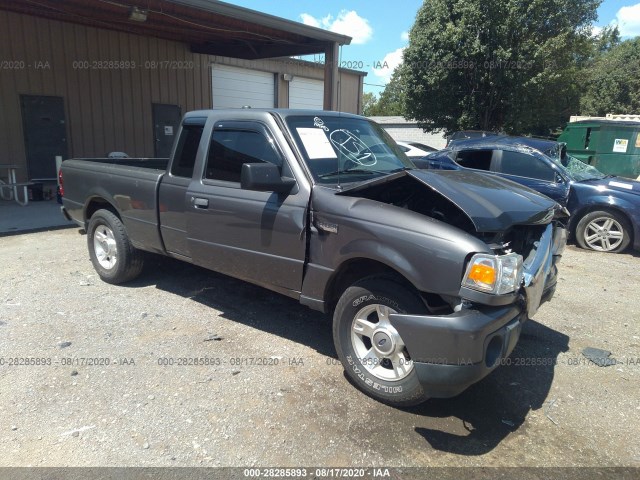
x=137 y=14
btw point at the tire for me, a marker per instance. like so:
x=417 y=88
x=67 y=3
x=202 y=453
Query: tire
x=111 y=252
x=361 y=306
x=603 y=231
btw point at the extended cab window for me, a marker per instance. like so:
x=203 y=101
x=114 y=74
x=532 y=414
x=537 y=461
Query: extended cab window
x=231 y=147
x=522 y=165
x=185 y=156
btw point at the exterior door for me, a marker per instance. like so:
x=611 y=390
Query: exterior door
x=45 y=134
x=166 y=120
x=174 y=186
x=255 y=236
x=234 y=87
x=306 y=93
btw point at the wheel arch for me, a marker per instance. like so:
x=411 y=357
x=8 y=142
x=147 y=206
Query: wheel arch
x=358 y=268
x=95 y=203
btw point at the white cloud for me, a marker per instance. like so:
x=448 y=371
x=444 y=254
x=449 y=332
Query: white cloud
x=404 y=36
x=387 y=65
x=595 y=30
x=309 y=20
x=346 y=23
x=629 y=20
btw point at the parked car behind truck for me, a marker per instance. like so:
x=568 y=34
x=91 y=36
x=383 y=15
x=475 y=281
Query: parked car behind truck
x=605 y=210
x=429 y=287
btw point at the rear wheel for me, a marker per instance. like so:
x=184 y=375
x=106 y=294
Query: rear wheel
x=603 y=231
x=370 y=348
x=113 y=256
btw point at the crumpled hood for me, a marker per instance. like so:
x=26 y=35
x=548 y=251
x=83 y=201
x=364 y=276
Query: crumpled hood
x=492 y=203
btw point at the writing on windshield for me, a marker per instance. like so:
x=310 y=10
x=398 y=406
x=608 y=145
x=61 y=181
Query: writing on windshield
x=336 y=146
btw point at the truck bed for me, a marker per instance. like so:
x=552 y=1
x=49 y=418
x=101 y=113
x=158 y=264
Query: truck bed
x=153 y=163
x=130 y=184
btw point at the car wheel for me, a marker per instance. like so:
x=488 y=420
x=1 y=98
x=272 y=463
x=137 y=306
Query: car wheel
x=111 y=252
x=371 y=350
x=603 y=231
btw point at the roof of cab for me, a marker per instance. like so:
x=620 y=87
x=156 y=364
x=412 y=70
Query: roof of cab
x=282 y=112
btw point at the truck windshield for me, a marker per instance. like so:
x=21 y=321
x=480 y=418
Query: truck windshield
x=344 y=150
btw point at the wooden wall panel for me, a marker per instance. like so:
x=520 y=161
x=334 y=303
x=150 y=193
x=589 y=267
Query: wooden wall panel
x=110 y=109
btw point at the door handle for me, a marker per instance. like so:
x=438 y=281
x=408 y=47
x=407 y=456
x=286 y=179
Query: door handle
x=200 y=202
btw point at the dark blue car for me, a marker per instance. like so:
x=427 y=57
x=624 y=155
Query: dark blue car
x=605 y=210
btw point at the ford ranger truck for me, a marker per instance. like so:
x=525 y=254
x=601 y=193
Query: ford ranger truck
x=429 y=275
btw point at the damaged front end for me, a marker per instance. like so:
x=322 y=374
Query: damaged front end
x=501 y=286
x=451 y=352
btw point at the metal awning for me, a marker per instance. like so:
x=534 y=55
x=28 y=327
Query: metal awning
x=208 y=26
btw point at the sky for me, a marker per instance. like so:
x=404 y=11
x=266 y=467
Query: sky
x=379 y=28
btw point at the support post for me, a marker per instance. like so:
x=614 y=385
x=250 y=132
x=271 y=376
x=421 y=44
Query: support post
x=331 y=58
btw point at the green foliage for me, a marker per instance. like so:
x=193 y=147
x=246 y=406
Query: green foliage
x=369 y=101
x=390 y=102
x=612 y=83
x=507 y=65
x=608 y=38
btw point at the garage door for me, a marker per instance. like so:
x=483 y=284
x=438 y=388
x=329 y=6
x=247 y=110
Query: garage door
x=306 y=93
x=235 y=87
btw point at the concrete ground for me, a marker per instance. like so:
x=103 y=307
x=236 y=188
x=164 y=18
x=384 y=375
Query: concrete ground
x=35 y=216
x=99 y=375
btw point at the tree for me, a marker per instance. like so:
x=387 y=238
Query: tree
x=390 y=102
x=500 y=65
x=608 y=38
x=612 y=83
x=369 y=101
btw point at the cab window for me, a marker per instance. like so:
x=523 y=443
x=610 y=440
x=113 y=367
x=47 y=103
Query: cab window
x=185 y=156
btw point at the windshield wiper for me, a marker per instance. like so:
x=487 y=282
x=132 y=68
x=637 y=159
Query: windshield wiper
x=350 y=171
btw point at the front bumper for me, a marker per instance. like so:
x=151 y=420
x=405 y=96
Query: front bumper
x=452 y=352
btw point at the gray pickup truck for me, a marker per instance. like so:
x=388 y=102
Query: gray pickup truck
x=429 y=275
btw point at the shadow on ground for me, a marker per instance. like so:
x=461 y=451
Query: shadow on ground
x=240 y=302
x=489 y=410
x=499 y=405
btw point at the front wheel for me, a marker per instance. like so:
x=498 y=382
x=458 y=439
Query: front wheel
x=603 y=231
x=113 y=256
x=370 y=348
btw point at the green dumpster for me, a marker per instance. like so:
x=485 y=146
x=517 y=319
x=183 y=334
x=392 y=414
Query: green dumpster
x=613 y=147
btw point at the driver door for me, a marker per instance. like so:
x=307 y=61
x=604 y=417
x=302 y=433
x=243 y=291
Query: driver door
x=255 y=236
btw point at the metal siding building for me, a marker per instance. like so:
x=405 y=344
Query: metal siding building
x=54 y=66
x=405 y=130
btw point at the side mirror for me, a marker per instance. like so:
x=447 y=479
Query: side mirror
x=264 y=177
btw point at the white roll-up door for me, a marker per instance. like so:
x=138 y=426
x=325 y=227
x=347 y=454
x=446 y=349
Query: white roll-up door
x=235 y=87
x=306 y=93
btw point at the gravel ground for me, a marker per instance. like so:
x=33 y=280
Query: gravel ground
x=274 y=393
